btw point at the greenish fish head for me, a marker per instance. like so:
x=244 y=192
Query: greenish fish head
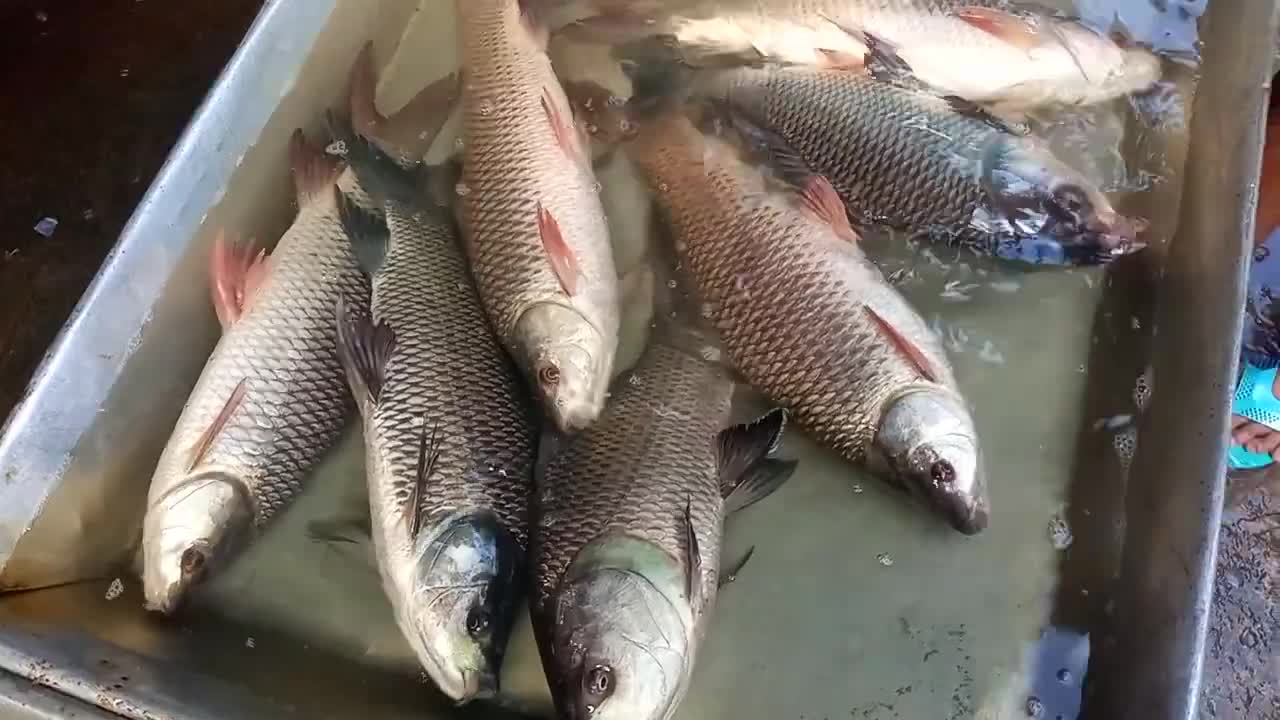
x=1042 y=211
x=621 y=643
x=195 y=527
x=931 y=447
x=462 y=605
x=568 y=362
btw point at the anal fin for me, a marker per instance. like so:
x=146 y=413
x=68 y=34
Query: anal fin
x=237 y=272
x=314 y=170
x=823 y=201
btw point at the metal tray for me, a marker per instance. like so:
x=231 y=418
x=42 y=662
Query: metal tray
x=72 y=452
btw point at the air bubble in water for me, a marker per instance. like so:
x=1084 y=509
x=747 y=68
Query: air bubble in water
x=1035 y=708
x=337 y=147
x=633 y=380
x=596 y=186
x=46 y=226
x=884 y=559
x=592 y=129
x=459 y=143
x=1064 y=676
x=486 y=107
x=857 y=489
x=671 y=284
x=461 y=189
x=625 y=125
x=1126 y=444
x=115 y=589
x=707 y=310
x=1142 y=389
x=711 y=353
x=663 y=187
x=1060 y=532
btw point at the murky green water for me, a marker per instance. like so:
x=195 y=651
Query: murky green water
x=855 y=604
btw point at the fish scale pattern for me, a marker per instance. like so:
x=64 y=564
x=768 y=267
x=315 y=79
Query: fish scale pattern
x=786 y=294
x=448 y=379
x=295 y=402
x=511 y=163
x=633 y=471
x=898 y=158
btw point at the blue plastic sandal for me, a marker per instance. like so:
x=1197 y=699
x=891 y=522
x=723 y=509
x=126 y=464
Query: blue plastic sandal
x=1255 y=400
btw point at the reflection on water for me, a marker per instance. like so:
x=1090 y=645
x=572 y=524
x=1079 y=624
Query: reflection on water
x=855 y=603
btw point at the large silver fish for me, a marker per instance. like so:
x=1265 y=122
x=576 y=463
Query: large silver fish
x=449 y=434
x=808 y=320
x=921 y=164
x=626 y=547
x=976 y=49
x=269 y=402
x=531 y=214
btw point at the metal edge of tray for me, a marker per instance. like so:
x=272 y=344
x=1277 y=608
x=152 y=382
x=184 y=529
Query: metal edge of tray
x=21 y=699
x=39 y=439
x=1173 y=502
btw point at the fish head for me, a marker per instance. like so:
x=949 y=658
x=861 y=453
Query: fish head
x=567 y=360
x=621 y=641
x=1046 y=212
x=197 y=525
x=931 y=447
x=462 y=604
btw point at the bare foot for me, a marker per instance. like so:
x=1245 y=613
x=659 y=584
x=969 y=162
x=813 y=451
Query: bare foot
x=1256 y=437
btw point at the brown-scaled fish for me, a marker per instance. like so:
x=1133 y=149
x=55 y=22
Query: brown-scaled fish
x=980 y=50
x=808 y=320
x=626 y=546
x=926 y=165
x=531 y=213
x=271 y=399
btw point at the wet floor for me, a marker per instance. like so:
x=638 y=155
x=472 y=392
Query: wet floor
x=97 y=92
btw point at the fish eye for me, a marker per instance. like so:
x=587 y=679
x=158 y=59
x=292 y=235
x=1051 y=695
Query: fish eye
x=192 y=562
x=942 y=472
x=478 y=621
x=549 y=375
x=598 y=683
x=1069 y=202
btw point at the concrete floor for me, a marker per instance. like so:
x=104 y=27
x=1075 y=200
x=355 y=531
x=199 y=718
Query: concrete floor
x=97 y=91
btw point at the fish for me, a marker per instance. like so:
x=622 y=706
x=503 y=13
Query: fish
x=271 y=399
x=531 y=214
x=627 y=533
x=983 y=51
x=449 y=430
x=936 y=168
x=807 y=318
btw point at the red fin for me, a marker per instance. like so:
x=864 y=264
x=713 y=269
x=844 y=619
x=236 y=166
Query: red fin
x=566 y=133
x=1008 y=27
x=823 y=200
x=840 y=60
x=409 y=131
x=210 y=433
x=908 y=349
x=314 y=170
x=236 y=275
x=558 y=252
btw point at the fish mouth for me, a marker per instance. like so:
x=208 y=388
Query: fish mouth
x=966 y=515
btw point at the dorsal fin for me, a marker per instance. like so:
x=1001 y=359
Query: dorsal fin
x=908 y=349
x=364 y=350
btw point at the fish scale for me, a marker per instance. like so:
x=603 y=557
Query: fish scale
x=634 y=470
x=918 y=176
x=296 y=400
x=786 y=294
x=511 y=162
x=447 y=371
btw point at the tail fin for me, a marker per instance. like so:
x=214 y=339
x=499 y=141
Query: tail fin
x=410 y=131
